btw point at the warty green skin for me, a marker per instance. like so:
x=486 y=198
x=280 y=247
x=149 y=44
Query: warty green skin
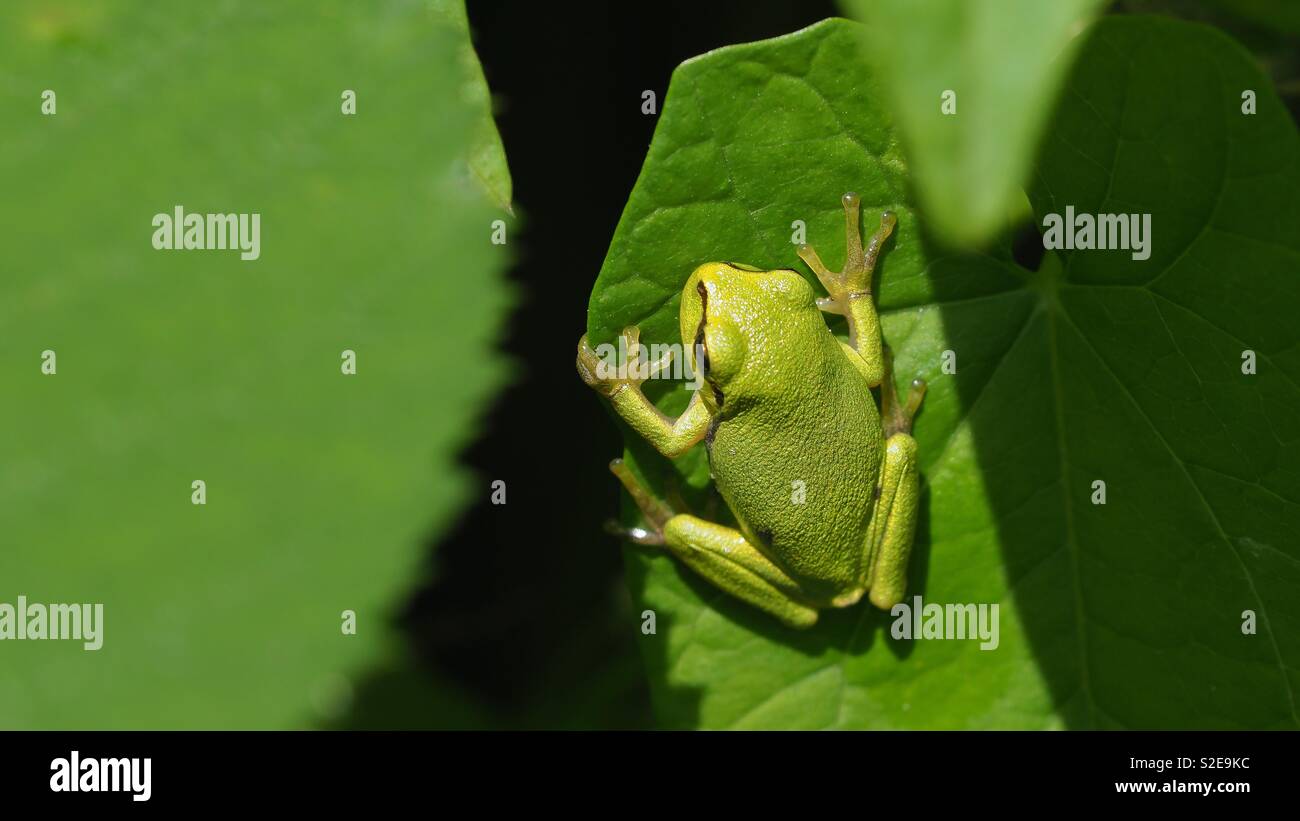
x=794 y=409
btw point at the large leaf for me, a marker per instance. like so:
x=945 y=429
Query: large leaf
x=175 y=366
x=1005 y=61
x=1096 y=366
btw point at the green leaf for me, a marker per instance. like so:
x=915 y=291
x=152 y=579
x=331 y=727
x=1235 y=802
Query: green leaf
x=487 y=156
x=1095 y=367
x=176 y=366
x=1005 y=61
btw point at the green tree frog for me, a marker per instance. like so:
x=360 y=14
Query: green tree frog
x=784 y=406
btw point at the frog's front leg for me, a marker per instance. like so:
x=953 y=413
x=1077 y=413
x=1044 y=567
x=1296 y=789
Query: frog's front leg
x=850 y=290
x=893 y=523
x=720 y=554
x=671 y=437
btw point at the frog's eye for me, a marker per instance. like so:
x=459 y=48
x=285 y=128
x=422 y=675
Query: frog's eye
x=740 y=266
x=722 y=350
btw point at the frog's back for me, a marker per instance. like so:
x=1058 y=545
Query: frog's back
x=797 y=459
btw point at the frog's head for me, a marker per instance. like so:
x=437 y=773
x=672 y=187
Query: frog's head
x=732 y=315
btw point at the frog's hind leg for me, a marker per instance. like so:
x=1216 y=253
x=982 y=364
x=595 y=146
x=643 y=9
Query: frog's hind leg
x=725 y=558
x=893 y=525
x=655 y=512
x=850 y=290
x=720 y=554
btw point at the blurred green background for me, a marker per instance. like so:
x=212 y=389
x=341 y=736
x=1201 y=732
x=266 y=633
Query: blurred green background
x=176 y=366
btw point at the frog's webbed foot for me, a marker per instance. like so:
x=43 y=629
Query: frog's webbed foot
x=620 y=383
x=897 y=417
x=720 y=554
x=850 y=290
x=854 y=282
x=609 y=378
